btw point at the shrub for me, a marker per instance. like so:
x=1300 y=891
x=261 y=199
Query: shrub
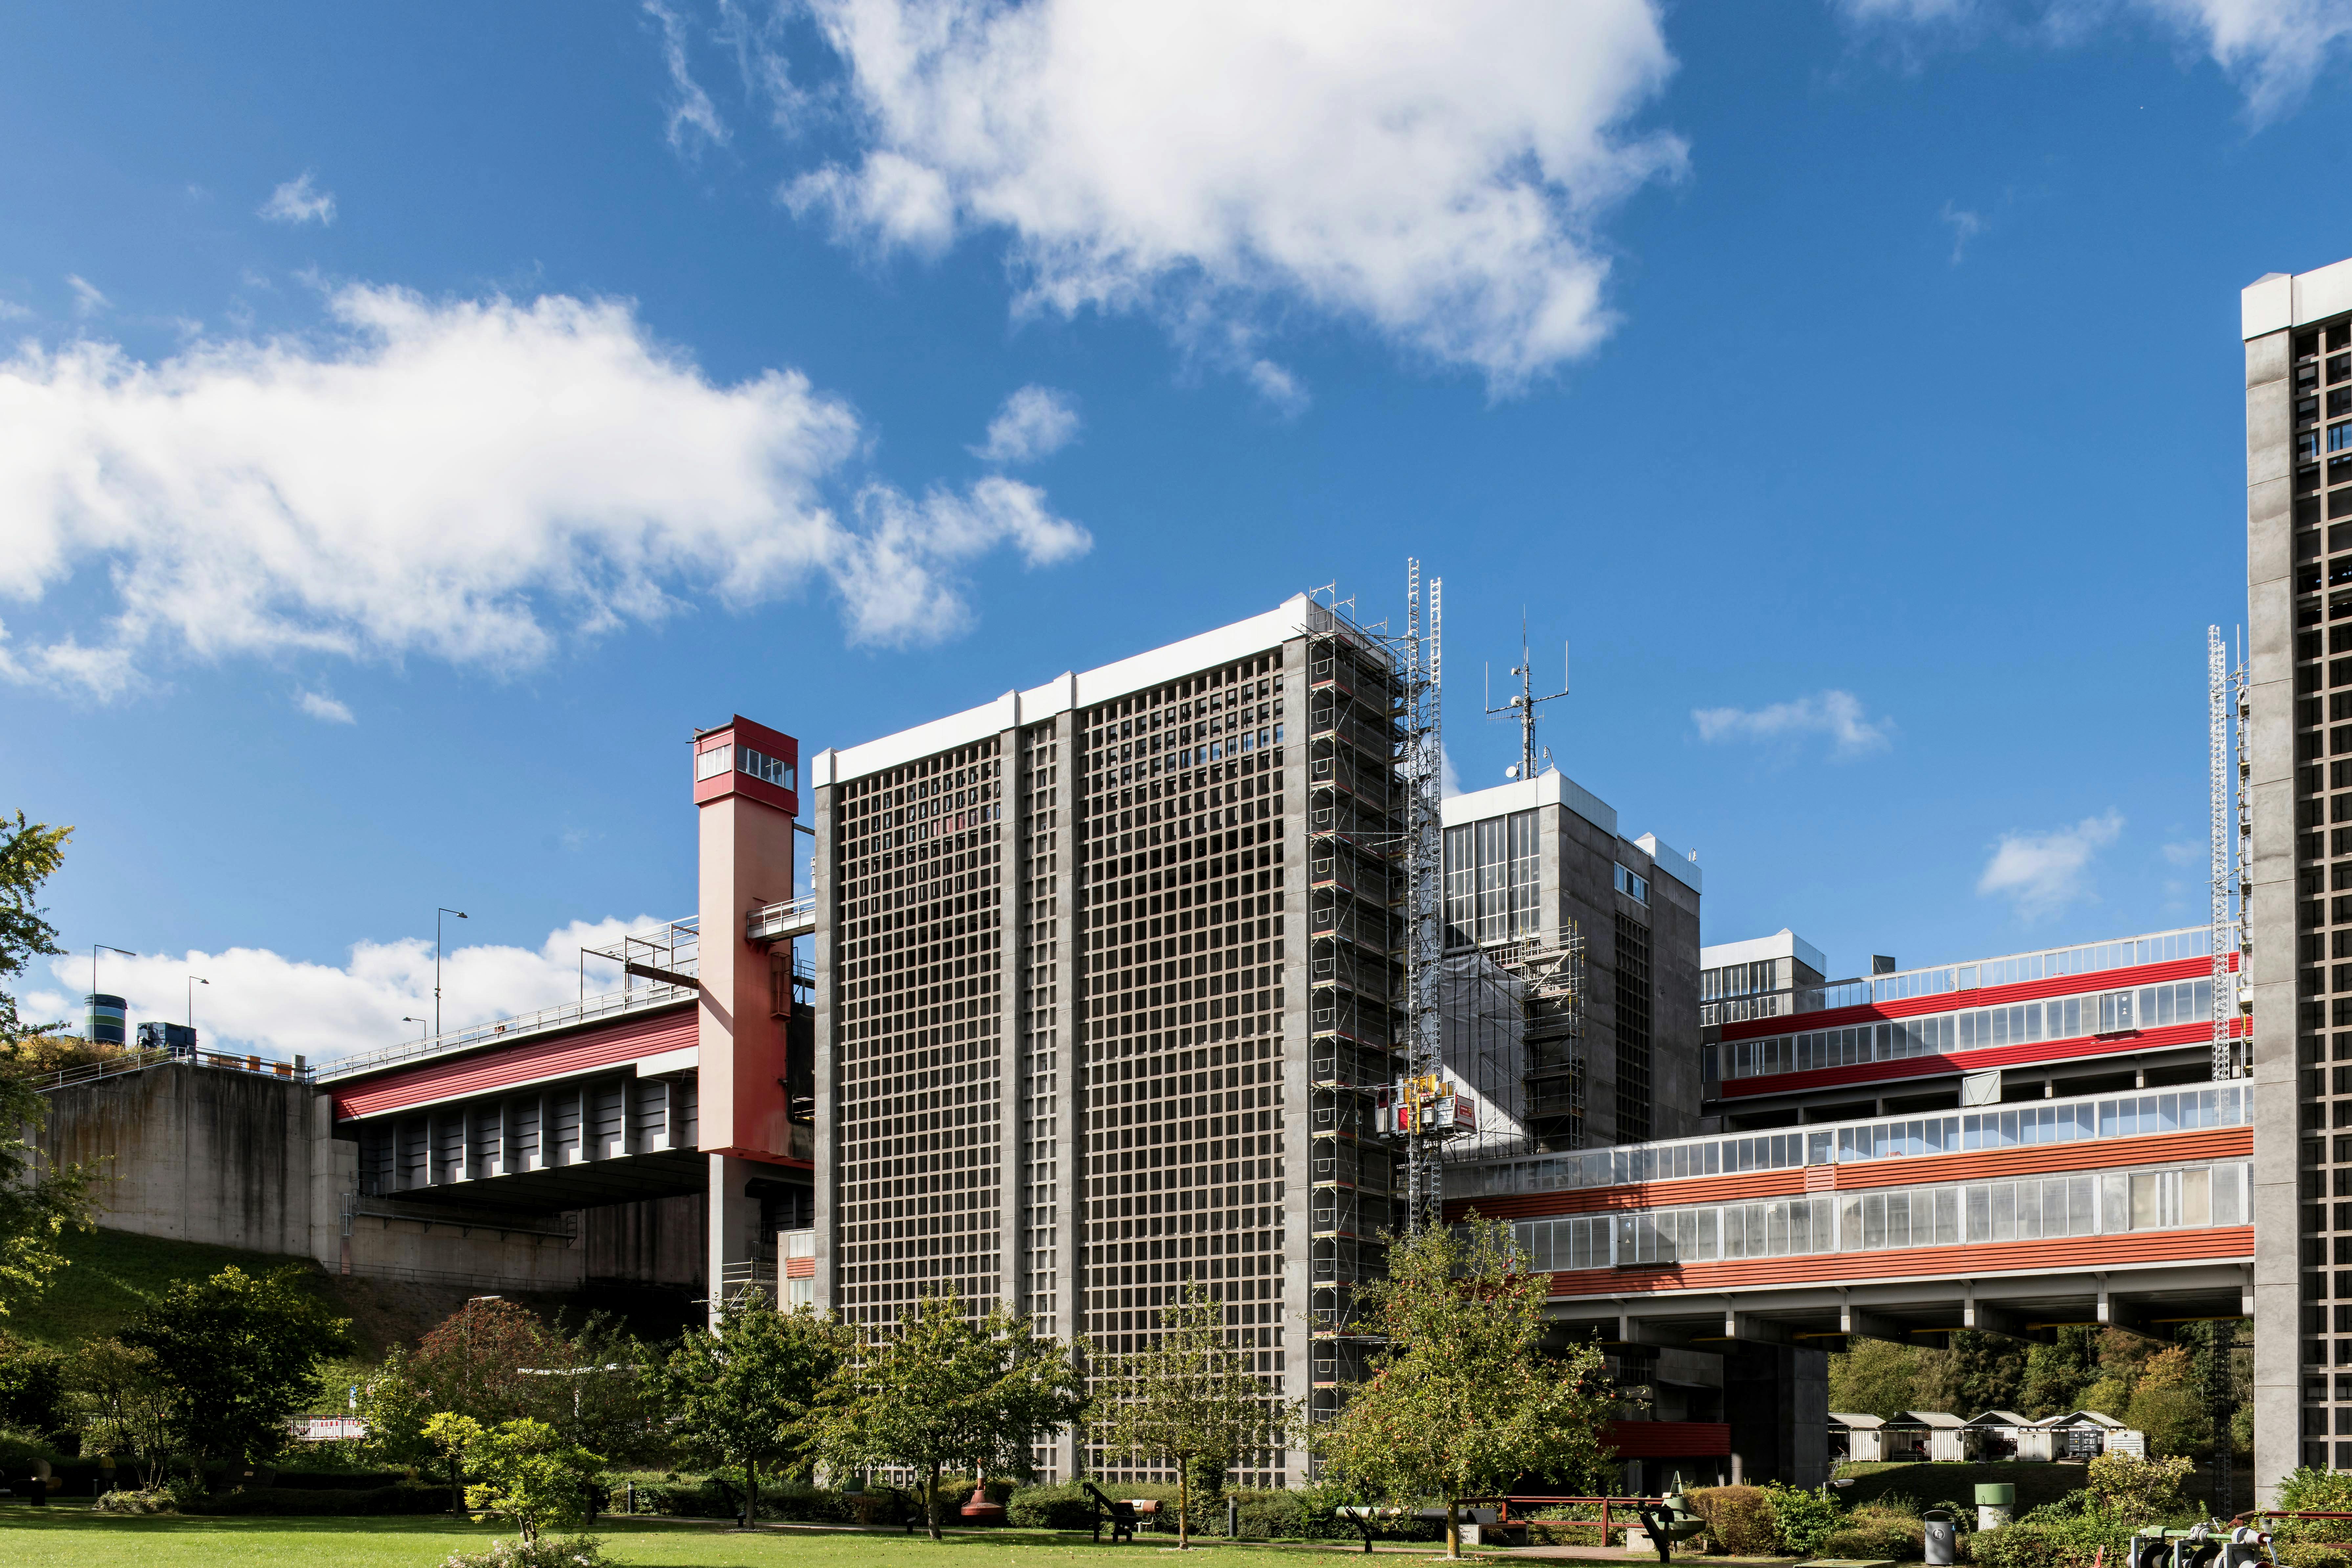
x=2310 y=1554
x=121 y=1500
x=547 y=1552
x=1270 y=1515
x=1801 y=1519
x=20 y=1449
x=2142 y=1490
x=2317 y=1491
x=404 y=1497
x=1050 y=1507
x=2072 y=1542
x=1739 y=1519
x=1874 y=1538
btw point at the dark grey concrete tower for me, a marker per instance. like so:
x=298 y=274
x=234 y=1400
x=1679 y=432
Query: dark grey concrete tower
x=2298 y=751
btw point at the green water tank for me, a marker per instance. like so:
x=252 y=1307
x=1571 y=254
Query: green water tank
x=1997 y=1494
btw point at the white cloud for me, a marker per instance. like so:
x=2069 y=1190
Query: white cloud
x=1035 y=422
x=2189 y=855
x=1837 y=714
x=2042 y=872
x=88 y=301
x=298 y=201
x=890 y=571
x=466 y=480
x=691 y=112
x=1965 y=225
x=324 y=708
x=262 y=1001
x=12 y=312
x=2271 y=50
x=1433 y=172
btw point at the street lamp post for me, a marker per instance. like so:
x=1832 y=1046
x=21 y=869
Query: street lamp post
x=194 y=980
x=95 y=949
x=406 y=1020
x=436 y=963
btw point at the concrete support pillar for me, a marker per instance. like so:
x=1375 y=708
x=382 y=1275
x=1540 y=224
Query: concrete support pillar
x=732 y=1230
x=1777 y=1397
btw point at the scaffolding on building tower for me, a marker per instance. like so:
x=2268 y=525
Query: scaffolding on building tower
x=1355 y=829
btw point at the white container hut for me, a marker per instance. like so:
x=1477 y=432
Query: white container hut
x=1854 y=1436
x=2004 y=1435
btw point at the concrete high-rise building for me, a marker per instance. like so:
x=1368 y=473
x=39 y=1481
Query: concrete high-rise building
x=1063 y=991
x=2298 y=762
x=1537 y=874
x=1109 y=985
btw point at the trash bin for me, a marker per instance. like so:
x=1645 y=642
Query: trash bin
x=1941 y=1532
x=1996 y=1501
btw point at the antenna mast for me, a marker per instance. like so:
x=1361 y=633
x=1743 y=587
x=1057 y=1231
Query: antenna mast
x=1424 y=777
x=1526 y=703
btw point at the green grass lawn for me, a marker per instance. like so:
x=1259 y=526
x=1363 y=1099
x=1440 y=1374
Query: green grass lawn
x=1925 y=1485
x=76 y=1538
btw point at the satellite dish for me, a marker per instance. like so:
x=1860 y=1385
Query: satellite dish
x=1512 y=772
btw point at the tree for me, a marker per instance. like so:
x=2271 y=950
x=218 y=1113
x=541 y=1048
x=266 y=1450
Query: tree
x=1187 y=1399
x=1463 y=1402
x=599 y=1394
x=32 y=1386
x=1872 y=1377
x=125 y=1406
x=39 y=1203
x=746 y=1396
x=396 y=1407
x=1973 y=1373
x=473 y=1365
x=528 y=1472
x=2169 y=1402
x=236 y=1354
x=2056 y=1374
x=945 y=1394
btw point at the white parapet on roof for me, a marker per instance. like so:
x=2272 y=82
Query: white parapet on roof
x=2277 y=300
x=1781 y=943
x=1549 y=787
x=1140 y=672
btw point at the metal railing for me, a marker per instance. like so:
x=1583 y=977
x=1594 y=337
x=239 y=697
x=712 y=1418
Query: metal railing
x=137 y=1060
x=2135 y=1113
x=587 y=1009
x=2089 y=958
x=773 y=923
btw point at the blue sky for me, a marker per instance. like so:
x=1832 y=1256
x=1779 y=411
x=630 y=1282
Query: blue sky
x=417 y=422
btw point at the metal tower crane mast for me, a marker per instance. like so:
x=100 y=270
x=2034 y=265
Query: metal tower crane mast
x=2217 y=669
x=1424 y=857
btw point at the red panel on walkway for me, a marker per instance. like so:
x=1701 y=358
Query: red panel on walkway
x=2052 y=1052
x=1974 y=997
x=1970 y=1165
x=2230 y=1241
x=486 y=1071
x=1670 y=1440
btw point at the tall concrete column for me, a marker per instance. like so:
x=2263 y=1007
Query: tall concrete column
x=2271 y=919
x=746 y=796
x=732 y=1229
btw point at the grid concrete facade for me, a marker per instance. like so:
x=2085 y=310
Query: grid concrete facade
x=2298 y=759
x=1061 y=1007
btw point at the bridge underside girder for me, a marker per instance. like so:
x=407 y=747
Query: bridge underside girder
x=540 y=1149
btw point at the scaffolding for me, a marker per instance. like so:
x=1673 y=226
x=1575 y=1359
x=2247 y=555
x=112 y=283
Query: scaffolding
x=1515 y=1041
x=2226 y=1050
x=1421 y=770
x=1356 y=883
